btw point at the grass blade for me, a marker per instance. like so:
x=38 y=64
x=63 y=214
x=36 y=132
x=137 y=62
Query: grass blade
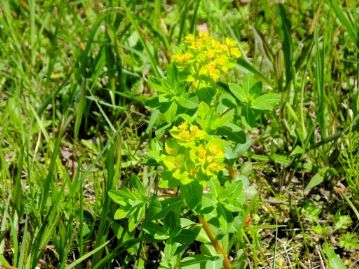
x=101 y=235
x=48 y=180
x=86 y=256
x=345 y=22
x=319 y=80
x=286 y=39
x=17 y=192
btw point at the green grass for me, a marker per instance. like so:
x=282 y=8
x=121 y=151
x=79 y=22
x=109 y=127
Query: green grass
x=74 y=125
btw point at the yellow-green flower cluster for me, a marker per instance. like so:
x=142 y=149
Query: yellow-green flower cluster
x=187 y=134
x=207 y=56
x=191 y=154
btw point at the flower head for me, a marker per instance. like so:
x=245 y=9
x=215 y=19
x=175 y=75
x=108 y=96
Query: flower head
x=191 y=154
x=185 y=133
x=206 y=56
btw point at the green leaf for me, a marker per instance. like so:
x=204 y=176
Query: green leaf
x=253 y=70
x=345 y=22
x=209 y=202
x=225 y=213
x=173 y=204
x=137 y=184
x=321 y=230
x=228 y=100
x=349 y=241
x=170 y=259
x=286 y=40
x=152 y=102
x=154 y=208
x=248 y=116
x=80 y=109
x=163 y=107
x=242 y=148
x=157 y=231
x=298 y=150
x=202 y=262
x=125 y=196
x=156 y=83
x=232 y=132
x=311 y=211
x=203 y=115
x=172 y=221
x=334 y=261
x=187 y=236
x=342 y=222
x=172 y=74
x=206 y=94
x=86 y=256
x=152 y=121
x=316 y=179
x=187 y=102
x=222 y=120
x=239 y=92
x=203 y=110
x=255 y=89
x=266 y=101
x=137 y=216
x=122 y=213
x=192 y=194
x=170 y=114
x=185 y=117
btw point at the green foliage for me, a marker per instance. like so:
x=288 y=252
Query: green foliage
x=196 y=155
x=249 y=95
x=91 y=93
x=342 y=222
x=349 y=160
x=333 y=259
x=349 y=241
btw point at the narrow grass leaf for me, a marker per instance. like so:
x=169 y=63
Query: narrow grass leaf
x=4 y=225
x=286 y=39
x=101 y=234
x=319 y=79
x=86 y=256
x=48 y=180
x=345 y=22
x=17 y=191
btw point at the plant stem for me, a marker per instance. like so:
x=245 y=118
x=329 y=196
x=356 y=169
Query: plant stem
x=226 y=262
x=351 y=205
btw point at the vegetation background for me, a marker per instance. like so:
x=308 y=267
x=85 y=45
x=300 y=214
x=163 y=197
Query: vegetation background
x=73 y=125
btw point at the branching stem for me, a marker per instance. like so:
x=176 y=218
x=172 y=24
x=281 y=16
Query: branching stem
x=218 y=247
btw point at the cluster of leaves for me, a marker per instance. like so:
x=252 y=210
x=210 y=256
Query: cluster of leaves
x=347 y=240
x=206 y=122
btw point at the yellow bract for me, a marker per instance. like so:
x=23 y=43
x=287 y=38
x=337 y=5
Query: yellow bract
x=207 y=56
x=192 y=153
x=213 y=168
x=186 y=133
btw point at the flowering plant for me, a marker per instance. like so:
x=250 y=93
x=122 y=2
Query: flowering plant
x=199 y=194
